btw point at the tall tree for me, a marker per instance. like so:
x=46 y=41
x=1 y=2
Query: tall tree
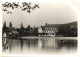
x=22 y=25
x=4 y=25
x=10 y=25
x=29 y=28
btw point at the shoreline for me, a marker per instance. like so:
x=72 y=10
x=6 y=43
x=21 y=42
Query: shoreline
x=75 y=38
x=37 y=37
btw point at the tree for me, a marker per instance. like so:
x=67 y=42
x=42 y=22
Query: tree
x=5 y=29
x=29 y=28
x=22 y=25
x=10 y=25
x=4 y=25
x=35 y=32
x=24 y=6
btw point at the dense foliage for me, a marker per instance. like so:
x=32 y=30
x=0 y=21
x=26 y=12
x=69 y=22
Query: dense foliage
x=24 y=6
x=67 y=30
x=64 y=30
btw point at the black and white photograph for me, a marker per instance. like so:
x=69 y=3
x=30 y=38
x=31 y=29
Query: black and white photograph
x=47 y=27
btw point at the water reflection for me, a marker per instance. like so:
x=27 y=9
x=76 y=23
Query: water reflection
x=26 y=45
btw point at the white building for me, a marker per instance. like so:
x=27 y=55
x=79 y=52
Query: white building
x=48 y=30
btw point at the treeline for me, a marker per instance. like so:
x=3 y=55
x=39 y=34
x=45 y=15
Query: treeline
x=28 y=31
x=64 y=30
x=68 y=30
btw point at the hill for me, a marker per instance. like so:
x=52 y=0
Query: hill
x=71 y=24
x=68 y=29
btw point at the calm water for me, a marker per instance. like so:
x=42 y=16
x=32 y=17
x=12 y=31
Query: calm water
x=40 y=45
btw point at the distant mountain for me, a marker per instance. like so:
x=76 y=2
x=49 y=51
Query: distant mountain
x=68 y=29
x=71 y=24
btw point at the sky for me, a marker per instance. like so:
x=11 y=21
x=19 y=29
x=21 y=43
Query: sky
x=51 y=12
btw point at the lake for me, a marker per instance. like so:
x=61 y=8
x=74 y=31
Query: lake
x=40 y=45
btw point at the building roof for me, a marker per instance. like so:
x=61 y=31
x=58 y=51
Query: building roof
x=52 y=25
x=49 y=26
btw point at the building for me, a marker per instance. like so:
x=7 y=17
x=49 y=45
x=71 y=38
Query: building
x=48 y=30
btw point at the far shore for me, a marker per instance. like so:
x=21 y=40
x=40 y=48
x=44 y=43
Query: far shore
x=37 y=37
